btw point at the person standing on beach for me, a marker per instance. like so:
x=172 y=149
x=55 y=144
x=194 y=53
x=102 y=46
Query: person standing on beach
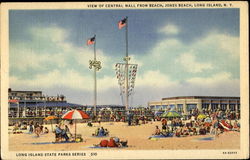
x=31 y=128
x=215 y=127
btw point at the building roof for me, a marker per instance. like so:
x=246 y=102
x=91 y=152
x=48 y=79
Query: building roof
x=200 y=97
x=47 y=104
x=59 y=104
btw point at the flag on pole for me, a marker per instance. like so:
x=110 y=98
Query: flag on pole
x=91 y=41
x=122 y=23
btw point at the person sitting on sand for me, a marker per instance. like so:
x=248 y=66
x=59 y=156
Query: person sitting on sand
x=106 y=132
x=178 y=132
x=120 y=143
x=236 y=126
x=194 y=131
x=101 y=132
x=202 y=130
x=15 y=127
x=96 y=132
x=164 y=127
x=124 y=143
x=157 y=131
x=46 y=130
x=185 y=131
x=137 y=121
x=41 y=128
x=24 y=127
x=64 y=135
x=58 y=132
x=69 y=134
x=89 y=124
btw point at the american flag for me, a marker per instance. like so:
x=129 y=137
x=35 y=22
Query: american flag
x=122 y=23
x=91 y=41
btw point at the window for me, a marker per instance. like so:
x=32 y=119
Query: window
x=232 y=107
x=191 y=107
x=171 y=107
x=238 y=107
x=179 y=107
x=164 y=107
x=223 y=107
x=214 y=107
x=157 y=107
x=205 y=106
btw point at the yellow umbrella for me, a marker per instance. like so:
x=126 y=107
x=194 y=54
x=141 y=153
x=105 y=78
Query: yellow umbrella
x=51 y=118
x=202 y=116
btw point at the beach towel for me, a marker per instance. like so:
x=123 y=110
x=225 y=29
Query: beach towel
x=206 y=139
x=99 y=136
x=161 y=136
x=104 y=147
x=63 y=142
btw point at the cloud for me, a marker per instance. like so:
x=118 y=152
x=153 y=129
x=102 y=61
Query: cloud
x=154 y=78
x=53 y=33
x=68 y=78
x=170 y=29
x=223 y=44
x=189 y=62
x=216 y=80
x=27 y=59
x=160 y=72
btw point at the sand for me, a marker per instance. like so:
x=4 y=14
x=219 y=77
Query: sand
x=137 y=137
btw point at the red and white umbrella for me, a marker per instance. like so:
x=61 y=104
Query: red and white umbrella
x=75 y=114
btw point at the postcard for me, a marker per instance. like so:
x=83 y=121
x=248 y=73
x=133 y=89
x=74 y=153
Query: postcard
x=125 y=80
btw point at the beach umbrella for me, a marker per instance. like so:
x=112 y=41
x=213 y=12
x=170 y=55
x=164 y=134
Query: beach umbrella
x=208 y=119
x=171 y=114
x=74 y=115
x=201 y=116
x=50 y=118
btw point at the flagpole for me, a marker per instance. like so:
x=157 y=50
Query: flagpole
x=95 y=85
x=126 y=66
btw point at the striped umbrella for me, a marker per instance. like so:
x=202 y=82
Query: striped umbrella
x=171 y=114
x=75 y=114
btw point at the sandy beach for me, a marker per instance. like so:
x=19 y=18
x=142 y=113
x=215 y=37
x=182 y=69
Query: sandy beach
x=137 y=137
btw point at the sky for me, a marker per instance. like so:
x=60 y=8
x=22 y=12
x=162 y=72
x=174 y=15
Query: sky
x=179 y=52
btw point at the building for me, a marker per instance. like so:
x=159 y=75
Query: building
x=185 y=104
x=35 y=104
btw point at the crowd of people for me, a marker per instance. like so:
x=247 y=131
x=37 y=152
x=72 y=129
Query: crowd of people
x=211 y=123
x=37 y=128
